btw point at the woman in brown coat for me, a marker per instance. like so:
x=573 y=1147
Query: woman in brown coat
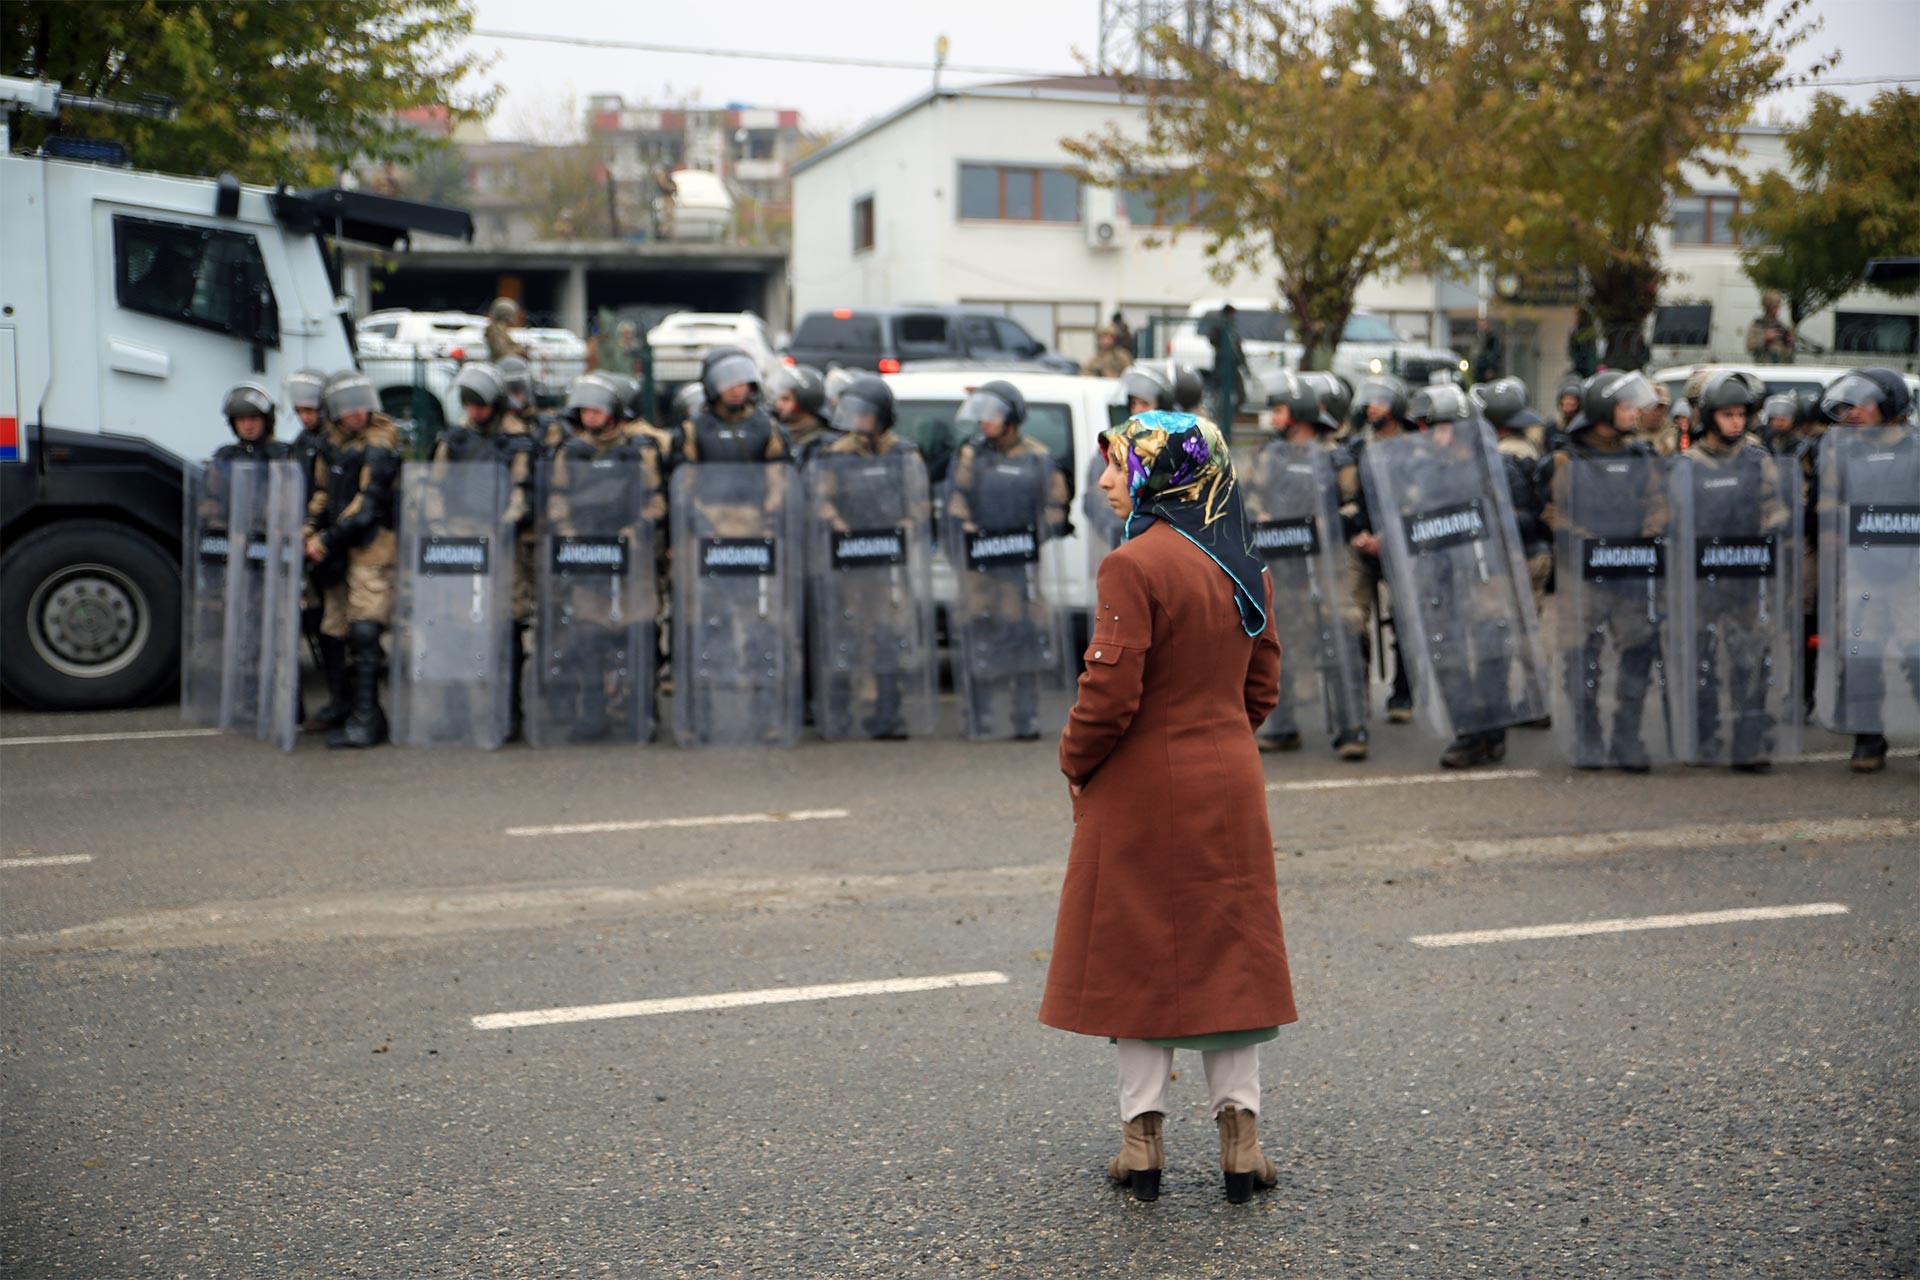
x=1169 y=928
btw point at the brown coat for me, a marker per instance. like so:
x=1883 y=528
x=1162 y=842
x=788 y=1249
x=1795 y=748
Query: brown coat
x=1169 y=918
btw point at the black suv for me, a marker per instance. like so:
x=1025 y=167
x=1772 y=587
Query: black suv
x=884 y=339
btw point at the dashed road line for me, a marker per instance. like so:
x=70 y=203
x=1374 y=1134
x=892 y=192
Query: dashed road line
x=1584 y=928
x=50 y=860
x=732 y=1000
x=668 y=824
x=1405 y=780
x=142 y=735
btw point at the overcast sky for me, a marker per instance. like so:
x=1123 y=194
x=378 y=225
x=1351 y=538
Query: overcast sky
x=1874 y=37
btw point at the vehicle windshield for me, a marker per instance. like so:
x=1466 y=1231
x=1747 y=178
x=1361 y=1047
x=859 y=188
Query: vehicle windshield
x=930 y=424
x=1252 y=326
x=1362 y=328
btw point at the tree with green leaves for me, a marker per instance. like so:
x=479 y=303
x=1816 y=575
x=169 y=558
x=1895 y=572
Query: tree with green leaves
x=1575 y=119
x=1853 y=195
x=292 y=90
x=1300 y=138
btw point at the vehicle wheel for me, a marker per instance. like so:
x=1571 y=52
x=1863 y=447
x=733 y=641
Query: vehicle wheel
x=89 y=617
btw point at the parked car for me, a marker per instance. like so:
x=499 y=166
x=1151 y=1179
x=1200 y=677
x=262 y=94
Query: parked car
x=1368 y=345
x=1779 y=378
x=558 y=356
x=411 y=358
x=888 y=339
x=681 y=341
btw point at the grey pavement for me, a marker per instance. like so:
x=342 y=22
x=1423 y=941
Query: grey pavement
x=239 y=1039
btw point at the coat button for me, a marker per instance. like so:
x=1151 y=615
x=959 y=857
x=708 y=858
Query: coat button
x=1096 y=653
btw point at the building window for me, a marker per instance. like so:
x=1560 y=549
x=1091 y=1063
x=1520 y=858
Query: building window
x=1685 y=326
x=1007 y=193
x=863 y=224
x=1875 y=333
x=1704 y=220
x=1184 y=209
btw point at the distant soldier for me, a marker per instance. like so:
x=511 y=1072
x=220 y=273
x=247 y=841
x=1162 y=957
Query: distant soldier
x=1770 y=339
x=800 y=403
x=501 y=317
x=1110 y=360
x=350 y=526
x=1383 y=402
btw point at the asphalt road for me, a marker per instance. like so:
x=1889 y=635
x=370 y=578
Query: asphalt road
x=240 y=989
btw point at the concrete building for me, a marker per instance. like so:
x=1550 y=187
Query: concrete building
x=752 y=149
x=965 y=196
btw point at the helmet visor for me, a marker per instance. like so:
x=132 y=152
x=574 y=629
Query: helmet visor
x=304 y=391
x=731 y=371
x=1635 y=392
x=856 y=414
x=351 y=395
x=1377 y=392
x=1144 y=384
x=981 y=406
x=1777 y=406
x=1853 y=391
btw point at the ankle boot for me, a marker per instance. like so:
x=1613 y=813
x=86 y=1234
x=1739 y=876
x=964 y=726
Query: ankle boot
x=366 y=725
x=1241 y=1159
x=1141 y=1157
x=333 y=669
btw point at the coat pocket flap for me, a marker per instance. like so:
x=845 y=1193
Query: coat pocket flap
x=1104 y=653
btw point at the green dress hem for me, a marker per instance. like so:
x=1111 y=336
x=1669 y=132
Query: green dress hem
x=1214 y=1041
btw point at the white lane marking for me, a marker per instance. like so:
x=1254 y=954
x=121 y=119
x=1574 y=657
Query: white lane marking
x=659 y=824
x=1580 y=929
x=733 y=1000
x=142 y=735
x=1405 y=780
x=1829 y=757
x=51 y=860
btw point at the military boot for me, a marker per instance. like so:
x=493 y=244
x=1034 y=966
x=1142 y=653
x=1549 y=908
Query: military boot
x=333 y=669
x=886 y=724
x=366 y=723
x=1141 y=1157
x=1243 y=1164
x=1869 y=753
x=1026 y=708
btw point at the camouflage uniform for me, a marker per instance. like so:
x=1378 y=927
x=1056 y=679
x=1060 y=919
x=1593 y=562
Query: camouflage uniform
x=352 y=514
x=1109 y=363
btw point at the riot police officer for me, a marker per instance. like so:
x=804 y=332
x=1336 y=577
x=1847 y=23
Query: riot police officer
x=1503 y=403
x=516 y=375
x=312 y=450
x=730 y=425
x=250 y=413
x=1290 y=492
x=1145 y=386
x=1002 y=485
x=304 y=392
x=350 y=538
x=869 y=484
x=800 y=403
x=1382 y=402
x=1734 y=625
x=1607 y=506
x=596 y=647
x=1189 y=389
x=1870 y=528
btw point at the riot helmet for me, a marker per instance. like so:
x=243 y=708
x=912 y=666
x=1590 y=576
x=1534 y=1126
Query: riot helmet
x=595 y=391
x=996 y=401
x=516 y=375
x=504 y=310
x=627 y=393
x=306 y=388
x=835 y=382
x=1730 y=389
x=1502 y=400
x=802 y=382
x=249 y=400
x=726 y=368
x=865 y=407
x=1188 y=389
x=350 y=392
x=1386 y=391
x=1614 y=389
x=1440 y=402
x=1336 y=394
x=1781 y=405
x=688 y=401
x=1301 y=400
x=1145 y=382
x=479 y=385
x=1851 y=394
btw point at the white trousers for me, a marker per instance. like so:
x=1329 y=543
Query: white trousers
x=1233 y=1078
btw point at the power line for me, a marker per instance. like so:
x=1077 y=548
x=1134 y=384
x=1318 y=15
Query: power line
x=817 y=59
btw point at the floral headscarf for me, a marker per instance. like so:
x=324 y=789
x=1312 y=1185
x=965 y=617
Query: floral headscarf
x=1178 y=471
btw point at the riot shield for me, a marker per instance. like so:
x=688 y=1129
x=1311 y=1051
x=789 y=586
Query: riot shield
x=1868 y=677
x=1008 y=635
x=203 y=577
x=737 y=591
x=1103 y=530
x=1293 y=510
x=278 y=720
x=453 y=607
x=596 y=604
x=1462 y=601
x=870 y=575
x=1733 y=585
x=1614 y=642
x=242 y=650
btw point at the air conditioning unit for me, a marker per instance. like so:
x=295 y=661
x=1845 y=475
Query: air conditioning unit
x=1101 y=214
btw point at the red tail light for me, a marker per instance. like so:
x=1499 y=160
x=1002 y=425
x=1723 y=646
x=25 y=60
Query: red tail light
x=889 y=365
x=1169 y=350
x=789 y=361
x=843 y=313
x=458 y=353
